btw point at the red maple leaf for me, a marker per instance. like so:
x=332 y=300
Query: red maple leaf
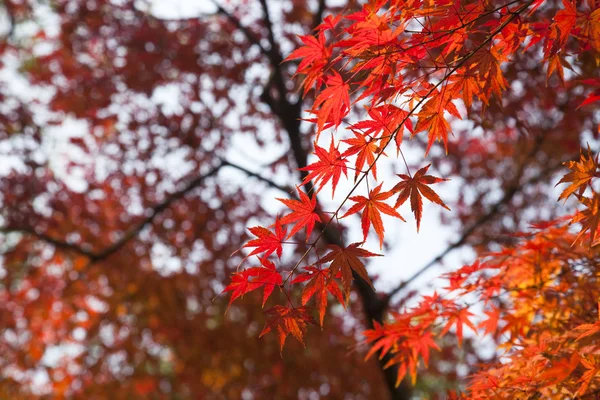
x=314 y=50
x=267 y=242
x=315 y=56
x=320 y=282
x=288 y=320
x=374 y=205
x=331 y=164
x=303 y=213
x=250 y=279
x=386 y=120
x=346 y=260
x=333 y=103
x=415 y=187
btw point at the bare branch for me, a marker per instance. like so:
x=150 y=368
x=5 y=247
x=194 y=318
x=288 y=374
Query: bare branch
x=131 y=233
x=249 y=35
x=286 y=189
x=318 y=17
x=274 y=50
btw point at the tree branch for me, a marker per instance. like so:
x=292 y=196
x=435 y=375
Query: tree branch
x=274 y=50
x=318 y=17
x=286 y=189
x=130 y=234
x=249 y=35
x=48 y=239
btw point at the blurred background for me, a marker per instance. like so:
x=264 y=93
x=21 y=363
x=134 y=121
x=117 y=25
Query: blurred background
x=138 y=142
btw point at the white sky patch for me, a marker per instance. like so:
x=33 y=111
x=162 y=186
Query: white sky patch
x=175 y=9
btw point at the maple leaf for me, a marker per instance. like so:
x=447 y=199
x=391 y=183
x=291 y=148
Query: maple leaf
x=250 y=279
x=330 y=165
x=374 y=205
x=564 y=21
x=387 y=120
x=346 y=260
x=593 y=29
x=467 y=85
x=459 y=318
x=483 y=381
x=329 y=23
x=592 y=366
x=490 y=325
x=366 y=150
x=314 y=49
x=303 y=213
x=431 y=119
x=589 y=329
x=490 y=76
x=288 y=320
x=333 y=103
x=421 y=344
x=267 y=242
x=415 y=187
x=560 y=369
x=320 y=282
x=589 y=217
x=581 y=174
x=315 y=56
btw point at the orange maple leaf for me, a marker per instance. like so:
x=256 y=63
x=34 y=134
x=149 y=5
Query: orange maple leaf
x=303 y=213
x=589 y=329
x=560 y=369
x=592 y=29
x=331 y=164
x=459 y=318
x=366 y=150
x=374 y=205
x=320 y=282
x=490 y=76
x=564 y=22
x=347 y=260
x=490 y=325
x=466 y=84
x=592 y=366
x=420 y=344
x=431 y=118
x=589 y=217
x=581 y=174
x=288 y=320
x=415 y=187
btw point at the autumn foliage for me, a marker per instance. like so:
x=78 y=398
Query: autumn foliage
x=173 y=188
x=410 y=64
